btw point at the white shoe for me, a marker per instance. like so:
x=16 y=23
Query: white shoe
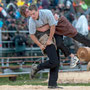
x=74 y=61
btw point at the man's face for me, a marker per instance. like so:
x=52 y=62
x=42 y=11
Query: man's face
x=34 y=14
x=27 y=13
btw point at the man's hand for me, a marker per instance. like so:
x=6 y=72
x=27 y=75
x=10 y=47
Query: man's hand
x=52 y=31
x=42 y=47
x=56 y=16
x=49 y=41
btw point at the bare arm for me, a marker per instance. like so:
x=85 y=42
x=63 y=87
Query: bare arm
x=33 y=37
x=45 y=28
x=52 y=31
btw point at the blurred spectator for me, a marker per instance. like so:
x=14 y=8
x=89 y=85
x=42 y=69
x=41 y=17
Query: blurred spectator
x=3 y=13
x=12 y=27
x=39 y=4
x=82 y=27
x=5 y=37
x=17 y=14
x=83 y=5
x=53 y=3
x=20 y=44
x=12 y=14
x=69 y=10
x=61 y=4
x=66 y=7
x=20 y=27
x=12 y=6
x=45 y=4
x=87 y=13
x=32 y=2
x=8 y=21
x=69 y=5
x=80 y=6
x=1 y=23
x=20 y=3
x=1 y=4
x=8 y=1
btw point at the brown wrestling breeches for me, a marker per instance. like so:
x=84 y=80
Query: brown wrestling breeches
x=64 y=27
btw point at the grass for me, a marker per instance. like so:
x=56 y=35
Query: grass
x=24 y=80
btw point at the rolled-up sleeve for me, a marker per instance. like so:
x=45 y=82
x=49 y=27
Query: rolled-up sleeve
x=32 y=27
x=51 y=19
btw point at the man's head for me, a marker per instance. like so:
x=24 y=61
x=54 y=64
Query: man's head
x=23 y=11
x=31 y=11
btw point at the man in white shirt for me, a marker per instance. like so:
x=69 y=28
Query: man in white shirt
x=39 y=18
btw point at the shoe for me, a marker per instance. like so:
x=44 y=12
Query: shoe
x=74 y=61
x=54 y=87
x=34 y=70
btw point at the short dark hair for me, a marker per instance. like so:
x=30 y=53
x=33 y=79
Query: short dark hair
x=22 y=10
x=33 y=7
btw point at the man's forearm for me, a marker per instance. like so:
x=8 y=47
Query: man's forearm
x=52 y=31
x=45 y=28
x=33 y=37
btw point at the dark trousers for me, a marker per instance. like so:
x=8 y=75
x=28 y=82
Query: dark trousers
x=82 y=39
x=52 y=64
x=79 y=37
x=61 y=46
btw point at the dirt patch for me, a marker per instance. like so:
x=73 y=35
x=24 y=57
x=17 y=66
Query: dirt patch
x=30 y=87
x=74 y=77
x=64 y=77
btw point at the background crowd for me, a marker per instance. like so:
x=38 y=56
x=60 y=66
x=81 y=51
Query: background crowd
x=76 y=11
